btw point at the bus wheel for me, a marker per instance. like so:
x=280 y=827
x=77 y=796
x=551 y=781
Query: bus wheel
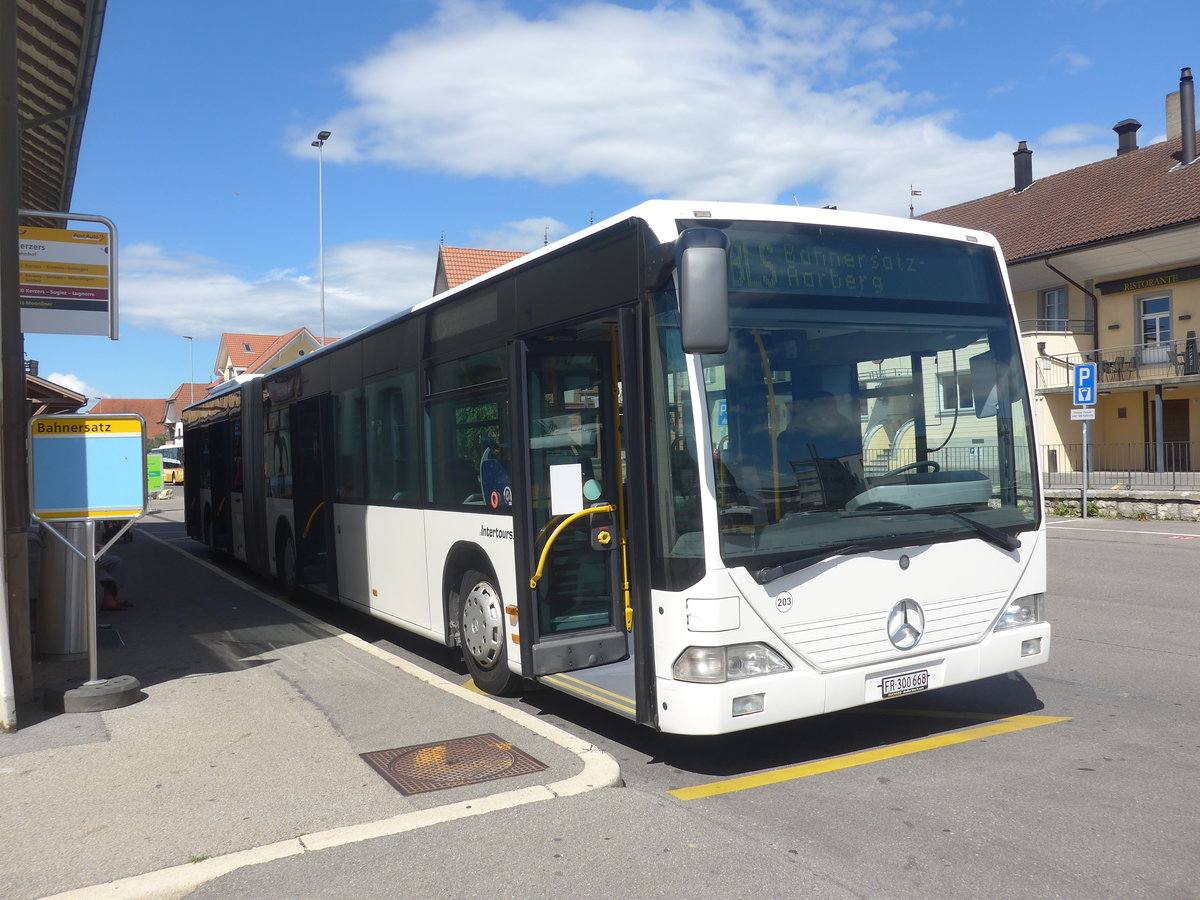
x=285 y=563
x=481 y=631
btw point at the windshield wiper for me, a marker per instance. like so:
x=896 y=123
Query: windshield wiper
x=1001 y=539
x=770 y=573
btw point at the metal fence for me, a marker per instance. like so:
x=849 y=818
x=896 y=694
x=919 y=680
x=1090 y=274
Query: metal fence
x=958 y=459
x=1163 y=359
x=1131 y=466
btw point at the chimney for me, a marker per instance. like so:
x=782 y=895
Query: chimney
x=1022 y=167
x=1187 y=115
x=1126 y=131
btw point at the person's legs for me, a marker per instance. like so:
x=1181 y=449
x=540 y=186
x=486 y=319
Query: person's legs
x=110 y=571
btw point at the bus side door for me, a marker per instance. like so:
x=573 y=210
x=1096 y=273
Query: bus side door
x=574 y=617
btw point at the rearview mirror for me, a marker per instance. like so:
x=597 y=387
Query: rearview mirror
x=702 y=262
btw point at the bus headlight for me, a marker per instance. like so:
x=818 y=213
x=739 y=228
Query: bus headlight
x=1022 y=611
x=714 y=665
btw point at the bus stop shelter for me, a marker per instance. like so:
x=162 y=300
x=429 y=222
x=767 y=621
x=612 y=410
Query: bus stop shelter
x=48 y=52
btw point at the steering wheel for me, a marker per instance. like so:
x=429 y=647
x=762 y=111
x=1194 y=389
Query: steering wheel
x=930 y=464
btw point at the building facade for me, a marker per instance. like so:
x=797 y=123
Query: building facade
x=1104 y=263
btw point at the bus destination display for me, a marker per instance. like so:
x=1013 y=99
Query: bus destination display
x=846 y=262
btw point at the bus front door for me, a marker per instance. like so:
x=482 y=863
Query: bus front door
x=312 y=495
x=572 y=572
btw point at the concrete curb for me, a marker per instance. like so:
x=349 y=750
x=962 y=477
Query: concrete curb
x=599 y=771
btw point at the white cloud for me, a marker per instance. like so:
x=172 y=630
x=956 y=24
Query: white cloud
x=1075 y=134
x=681 y=99
x=76 y=384
x=187 y=294
x=1074 y=60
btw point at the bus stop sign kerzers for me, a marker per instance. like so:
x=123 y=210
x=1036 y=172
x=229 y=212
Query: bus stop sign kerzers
x=84 y=469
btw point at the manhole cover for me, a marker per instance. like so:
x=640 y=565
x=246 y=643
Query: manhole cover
x=446 y=764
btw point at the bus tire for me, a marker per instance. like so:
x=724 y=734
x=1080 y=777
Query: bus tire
x=285 y=562
x=480 y=613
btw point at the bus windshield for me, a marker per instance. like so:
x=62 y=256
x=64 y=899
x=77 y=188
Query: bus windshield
x=871 y=397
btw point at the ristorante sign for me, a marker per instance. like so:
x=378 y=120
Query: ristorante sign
x=1149 y=282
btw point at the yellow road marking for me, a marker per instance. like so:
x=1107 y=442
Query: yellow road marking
x=822 y=766
x=470 y=685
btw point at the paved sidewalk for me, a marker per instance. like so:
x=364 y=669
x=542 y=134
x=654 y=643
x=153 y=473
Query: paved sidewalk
x=246 y=745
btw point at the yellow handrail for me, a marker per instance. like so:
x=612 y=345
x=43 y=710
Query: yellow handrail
x=590 y=511
x=309 y=524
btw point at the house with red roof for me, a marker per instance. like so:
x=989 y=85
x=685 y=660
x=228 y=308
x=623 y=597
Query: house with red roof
x=458 y=265
x=1104 y=263
x=257 y=354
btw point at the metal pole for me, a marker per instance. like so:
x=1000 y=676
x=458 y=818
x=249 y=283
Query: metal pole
x=89 y=598
x=1086 y=436
x=319 y=143
x=321 y=227
x=1159 y=462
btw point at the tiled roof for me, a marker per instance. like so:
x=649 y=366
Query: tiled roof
x=152 y=411
x=236 y=346
x=1136 y=192
x=262 y=347
x=461 y=264
x=182 y=395
x=274 y=347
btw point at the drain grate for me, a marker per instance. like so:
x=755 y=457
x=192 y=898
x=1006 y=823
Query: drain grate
x=447 y=764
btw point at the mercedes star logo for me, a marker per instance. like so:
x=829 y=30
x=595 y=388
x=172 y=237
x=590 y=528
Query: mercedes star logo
x=905 y=624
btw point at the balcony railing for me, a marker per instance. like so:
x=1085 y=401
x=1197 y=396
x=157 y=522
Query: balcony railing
x=1130 y=466
x=1140 y=362
x=1056 y=326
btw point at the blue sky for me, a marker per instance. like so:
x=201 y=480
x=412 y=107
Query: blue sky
x=494 y=124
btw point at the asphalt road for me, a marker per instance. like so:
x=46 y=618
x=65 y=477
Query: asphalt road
x=1092 y=790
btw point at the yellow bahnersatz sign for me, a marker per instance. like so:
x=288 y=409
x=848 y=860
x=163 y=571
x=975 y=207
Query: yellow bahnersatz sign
x=78 y=426
x=87 y=467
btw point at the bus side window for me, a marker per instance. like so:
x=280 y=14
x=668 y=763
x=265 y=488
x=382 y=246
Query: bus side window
x=460 y=430
x=391 y=439
x=349 y=444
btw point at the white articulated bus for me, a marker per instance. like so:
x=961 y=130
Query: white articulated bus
x=707 y=465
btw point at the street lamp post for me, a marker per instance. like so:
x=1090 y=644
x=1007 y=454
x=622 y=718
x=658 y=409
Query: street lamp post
x=319 y=143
